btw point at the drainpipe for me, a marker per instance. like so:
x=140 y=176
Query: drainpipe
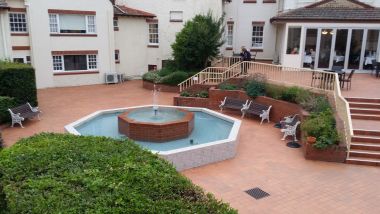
x=2 y=25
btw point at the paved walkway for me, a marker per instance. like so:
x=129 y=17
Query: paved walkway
x=295 y=184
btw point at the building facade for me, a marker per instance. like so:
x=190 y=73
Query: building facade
x=74 y=42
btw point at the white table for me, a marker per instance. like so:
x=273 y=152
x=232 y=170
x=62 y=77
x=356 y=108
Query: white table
x=339 y=59
x=307 y=59
x=368 y=60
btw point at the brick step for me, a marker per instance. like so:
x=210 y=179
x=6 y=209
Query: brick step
x=364 y=154
x=365 y=139
x=363 y=161
x=365 y=111
x=365 y=146
x=365 y=117
x=367 y=132
x=364 y=105
x=362 y=100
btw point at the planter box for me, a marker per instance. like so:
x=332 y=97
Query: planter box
x=163 y=88
x=334 y=154
x=191 y=102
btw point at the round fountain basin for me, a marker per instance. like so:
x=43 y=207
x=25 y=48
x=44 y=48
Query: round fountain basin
x=144 y=124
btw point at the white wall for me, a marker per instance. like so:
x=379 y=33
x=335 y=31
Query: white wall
x=43 y=44
x=243 y=14
x=131 y=40
x=167 y=29
x=5 y=43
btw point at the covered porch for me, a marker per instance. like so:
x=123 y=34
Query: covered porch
x=330 y=34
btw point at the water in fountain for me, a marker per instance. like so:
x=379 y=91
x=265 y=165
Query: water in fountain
x=155 y=100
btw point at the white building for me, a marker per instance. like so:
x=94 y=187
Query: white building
x=75 y=42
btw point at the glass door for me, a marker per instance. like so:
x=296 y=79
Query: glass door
x=339 y=55
x=370 y=53
x=325 y=48
x=310 y=47
x=355 y=49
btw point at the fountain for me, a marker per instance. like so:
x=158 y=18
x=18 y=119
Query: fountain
x=163 y=125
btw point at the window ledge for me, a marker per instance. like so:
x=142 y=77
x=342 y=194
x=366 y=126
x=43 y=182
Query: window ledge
x=153 y=46
x=63 y=73
x=176 y=20
x=19 y=34
x=249 y=1
x=269 y=1
x=117 y=61
x=257 y=50
x=229 y=48
x=74 y=34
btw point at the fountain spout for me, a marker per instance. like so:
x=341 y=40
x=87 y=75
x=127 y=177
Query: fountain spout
x=155 y=100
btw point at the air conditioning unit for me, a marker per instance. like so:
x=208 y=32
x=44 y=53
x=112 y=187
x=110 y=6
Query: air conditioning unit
x=111 y=78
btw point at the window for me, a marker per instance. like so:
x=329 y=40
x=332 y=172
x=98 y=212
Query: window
x=75 y=62
x=152 y=67
x=91 y=26
x=72 y=23
x=117 y=55
x=92 y=62
x=257 y=35
x=53 y=19
x=18 y=60
x=17 y=22
x=57 y=63
x=115 y=23
x=230 y=34
x=28 y=60
x=176 y=16
x=153 y=33
x=294 y=38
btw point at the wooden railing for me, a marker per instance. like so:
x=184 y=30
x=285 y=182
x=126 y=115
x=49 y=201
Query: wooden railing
x=226 y=61
x=327 y=82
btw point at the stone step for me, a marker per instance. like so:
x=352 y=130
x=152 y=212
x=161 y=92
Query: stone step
x=367 y=111
x=363 y=161
x=362 y=100
x=365 y=117
x=367 y=132
x=365 y=139
x=365 y=146
x=364 y=105
x=364 y=154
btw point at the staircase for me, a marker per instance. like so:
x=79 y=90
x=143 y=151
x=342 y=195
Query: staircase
x=365 y=144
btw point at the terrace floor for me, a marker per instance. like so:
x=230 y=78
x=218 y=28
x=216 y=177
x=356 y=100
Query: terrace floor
x=295 y=184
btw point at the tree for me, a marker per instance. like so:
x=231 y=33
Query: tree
x=199 y=41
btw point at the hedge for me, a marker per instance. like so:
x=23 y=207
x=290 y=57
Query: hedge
x=18 y=80
x=62 y=173
x=5 y=104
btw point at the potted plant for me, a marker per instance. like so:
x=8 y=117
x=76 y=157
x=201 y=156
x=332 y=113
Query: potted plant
x=311 y=139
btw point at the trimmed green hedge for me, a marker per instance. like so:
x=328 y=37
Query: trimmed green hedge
x=62 y=173
x=5 y=104
x=18 y=80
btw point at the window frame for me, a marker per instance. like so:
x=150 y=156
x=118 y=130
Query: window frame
x=18 y=23
x=230 y=35
x=150 y=39
x=62 y=63
x=117 y=56
x=57 y=15
x=175 y=12
x=257 y=37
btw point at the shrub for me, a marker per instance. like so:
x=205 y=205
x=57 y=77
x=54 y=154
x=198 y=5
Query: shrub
x=1 y=146
x=174 y=78
x=322 y=125
x=165 y=71
x=185 y=94
x=227 y=86
x=198 y=41
x=18 y=80
x=202 y=94
x=152 y=76
x=61 y=173
x=291 y=94
x=274 y=91
x=255 y=88
x=316 y=104
x=5 y=104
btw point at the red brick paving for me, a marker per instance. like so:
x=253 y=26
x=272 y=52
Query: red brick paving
x=295 y=184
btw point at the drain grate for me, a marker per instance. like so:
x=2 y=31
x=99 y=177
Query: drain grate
x=257 y=193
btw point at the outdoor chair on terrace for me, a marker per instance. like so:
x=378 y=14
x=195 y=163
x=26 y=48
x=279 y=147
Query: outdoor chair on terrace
x=374 y=66
x=20 y=113
x=348 y=80
x=290 y=130
x=258 y=109
x=232 y=103
x=289 y=120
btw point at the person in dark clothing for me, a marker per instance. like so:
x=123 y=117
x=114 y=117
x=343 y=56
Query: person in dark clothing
x=245 y=56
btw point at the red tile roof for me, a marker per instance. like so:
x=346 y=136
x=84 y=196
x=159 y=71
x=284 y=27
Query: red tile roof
x=121 y=10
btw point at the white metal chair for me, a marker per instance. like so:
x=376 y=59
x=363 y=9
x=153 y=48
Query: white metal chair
x=290 y=131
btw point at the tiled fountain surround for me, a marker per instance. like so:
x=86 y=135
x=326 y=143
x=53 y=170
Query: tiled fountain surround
x=189 y=157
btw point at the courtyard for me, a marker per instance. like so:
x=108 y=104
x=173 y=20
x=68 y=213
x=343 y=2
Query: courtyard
x=295 y=185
